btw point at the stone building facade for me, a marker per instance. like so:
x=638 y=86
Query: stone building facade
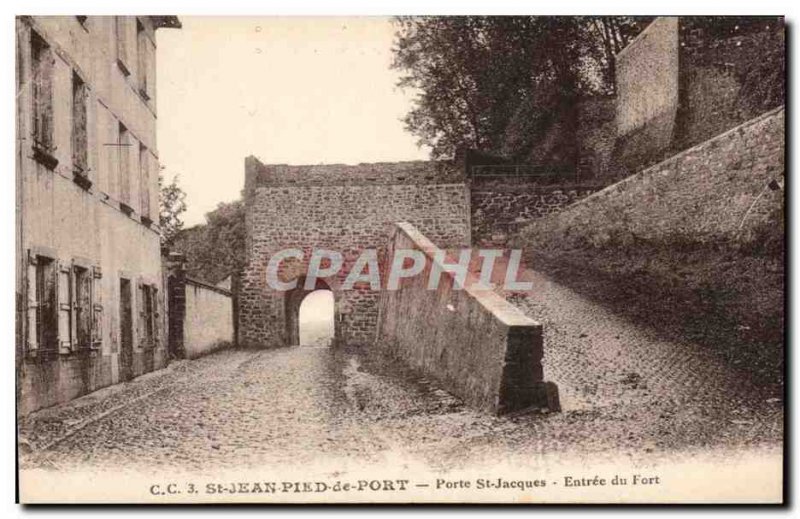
x=344 y=208
x=90 y=291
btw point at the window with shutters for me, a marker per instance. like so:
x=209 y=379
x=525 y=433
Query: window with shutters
x=65 y=306
x=42 y=330
x=79 y=128
x=42 y=62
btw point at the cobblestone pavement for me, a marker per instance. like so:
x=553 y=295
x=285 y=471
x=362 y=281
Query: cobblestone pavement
x=624 y=392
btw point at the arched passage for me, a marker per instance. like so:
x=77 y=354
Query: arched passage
x=315 y=319
x=294 y=299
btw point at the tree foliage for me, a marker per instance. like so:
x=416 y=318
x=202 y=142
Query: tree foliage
x=215 y=249
x=172 y=204
x=501 y=84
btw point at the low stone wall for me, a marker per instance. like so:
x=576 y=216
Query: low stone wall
x=474 y=343
x=208 y=324
x=200 y=315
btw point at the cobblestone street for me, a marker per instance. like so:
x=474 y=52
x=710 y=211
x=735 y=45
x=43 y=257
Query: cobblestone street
x=623 y=391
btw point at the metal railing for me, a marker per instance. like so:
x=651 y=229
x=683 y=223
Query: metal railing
x=531 y=171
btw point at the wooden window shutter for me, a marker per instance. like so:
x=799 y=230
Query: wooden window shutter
x=65 y=295
x=32 y=338
x=140 y=322
x=97 y=308
x=141 y=56
x=123 y=162
x=79 y=125
x=82 y=280
x=144 y=181
x=121 y=35
x=47 y=99
x=42 y=85
x=156 y=316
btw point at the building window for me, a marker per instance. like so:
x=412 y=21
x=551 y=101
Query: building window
x=123 y=164
x=79 y=128
x=64 y=306
x=42 y=314
x=144 y=181
x=121 y=37
x=141 y=57
x=42 y=62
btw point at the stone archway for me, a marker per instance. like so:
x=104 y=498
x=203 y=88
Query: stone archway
x=292 y=300
x=342 y=208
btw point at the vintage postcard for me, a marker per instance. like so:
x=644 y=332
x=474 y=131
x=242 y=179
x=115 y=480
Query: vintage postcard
x=412 y=259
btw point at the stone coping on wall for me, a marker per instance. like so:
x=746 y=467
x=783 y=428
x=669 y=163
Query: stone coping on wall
x=657 y=168
x=378 y=173
x=501 y=309
x=201 y=284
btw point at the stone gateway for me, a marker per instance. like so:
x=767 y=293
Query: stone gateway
x=347 y=208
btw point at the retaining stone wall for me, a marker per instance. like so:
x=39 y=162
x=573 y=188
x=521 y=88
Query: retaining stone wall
x=499 y=209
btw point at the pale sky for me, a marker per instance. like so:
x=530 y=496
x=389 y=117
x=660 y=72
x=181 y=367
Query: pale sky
x=287 y=90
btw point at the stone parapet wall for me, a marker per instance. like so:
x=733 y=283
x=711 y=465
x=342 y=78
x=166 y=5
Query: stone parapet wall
x=377 y=173
x=474 y=343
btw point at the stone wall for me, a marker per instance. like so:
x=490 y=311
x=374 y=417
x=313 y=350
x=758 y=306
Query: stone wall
x=684 y=80
x=595 y=137
x=647 y=75
x=647 y=94
x=376 y=173
x=729 y=73
x=208 y=322
x=474 y=343
x=693 y=246
x=334 y=210
x=499 y=207
x=702 y=193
